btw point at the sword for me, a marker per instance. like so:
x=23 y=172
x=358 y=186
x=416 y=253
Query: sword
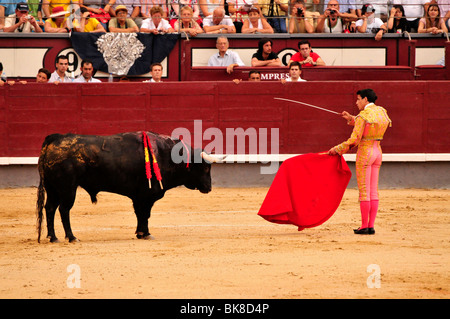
x=316 y=107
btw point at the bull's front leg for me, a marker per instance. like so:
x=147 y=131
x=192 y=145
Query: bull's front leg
x=142 y=208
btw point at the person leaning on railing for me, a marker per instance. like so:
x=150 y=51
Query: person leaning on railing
x=122 y=23
x=432 y=21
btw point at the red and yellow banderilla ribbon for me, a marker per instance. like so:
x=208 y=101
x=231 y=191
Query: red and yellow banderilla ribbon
x=147 y=151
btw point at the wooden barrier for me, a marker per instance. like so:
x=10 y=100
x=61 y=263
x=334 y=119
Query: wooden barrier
x=419 y=110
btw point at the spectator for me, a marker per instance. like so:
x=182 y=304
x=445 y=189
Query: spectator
x=413 y=12
x=21 y=21
x=295 y=70
x=156 y=72
x=207 y=7
x=2 y=80
x=264 y=56
x=275 y=12
x=306 y=56
x=121 y=23
x=300 y=20
x=57 y=23
x=43 y=75
x=218 y=22
x=444 y=5
x=397 y=22
x=256 y=23
x=96 y=10
x=187 y=23
x=225 y=57
x=156 y=24
x=35 y=9
x=238 y=10
x=369 y=24
x=87 y=71
x=177 y=5
x=87 y=24
x=133 y=10
x=333 y=20
x=432 y=21
x=147 y=5
x=253 y=76
x=59 y=75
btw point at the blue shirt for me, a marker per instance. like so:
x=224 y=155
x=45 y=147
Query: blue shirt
x=229 y=58
x=10 y=6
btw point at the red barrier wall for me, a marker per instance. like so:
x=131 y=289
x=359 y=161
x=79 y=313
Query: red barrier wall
x=419 y=110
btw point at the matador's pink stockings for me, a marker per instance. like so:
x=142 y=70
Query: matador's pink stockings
x=368 y=185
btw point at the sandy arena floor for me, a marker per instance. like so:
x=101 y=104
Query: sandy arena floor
x=215 y=246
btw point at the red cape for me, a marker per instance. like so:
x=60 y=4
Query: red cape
x=306 y=190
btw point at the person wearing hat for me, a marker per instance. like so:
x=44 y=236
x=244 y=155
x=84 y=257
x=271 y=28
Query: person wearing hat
x=21 y=21
x=369 y=23
x=57 y=23
x=121 y=23
x=133 y=10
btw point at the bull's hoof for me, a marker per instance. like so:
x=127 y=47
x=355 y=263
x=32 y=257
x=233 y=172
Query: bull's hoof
x=141 y=235
x=53 y=239
x=72 y=239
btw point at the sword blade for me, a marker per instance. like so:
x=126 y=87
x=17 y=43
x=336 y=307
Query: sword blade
x=310 y=105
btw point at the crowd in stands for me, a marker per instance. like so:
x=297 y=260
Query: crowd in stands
x=194 y=17
x=222 y=17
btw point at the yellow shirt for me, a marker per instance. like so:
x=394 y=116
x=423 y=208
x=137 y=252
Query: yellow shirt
x=370 y=124
x=89 y=26
x=54 y=25
x=58 y=3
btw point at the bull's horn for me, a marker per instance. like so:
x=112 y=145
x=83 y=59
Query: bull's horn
x=212 y=159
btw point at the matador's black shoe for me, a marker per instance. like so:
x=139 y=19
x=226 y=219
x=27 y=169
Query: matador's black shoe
x=361 y=231
x=371 y=231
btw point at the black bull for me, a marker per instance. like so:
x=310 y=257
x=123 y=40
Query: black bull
x=113 y=164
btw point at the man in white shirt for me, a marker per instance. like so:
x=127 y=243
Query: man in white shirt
x=86 y=73
x=413 y=11
x=59 y=75
x=156 y=70
x=295 y=70
x=218 y=22
x=225 y=57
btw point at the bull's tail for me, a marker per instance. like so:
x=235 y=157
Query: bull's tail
x=41 y=189
x=40 y=200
